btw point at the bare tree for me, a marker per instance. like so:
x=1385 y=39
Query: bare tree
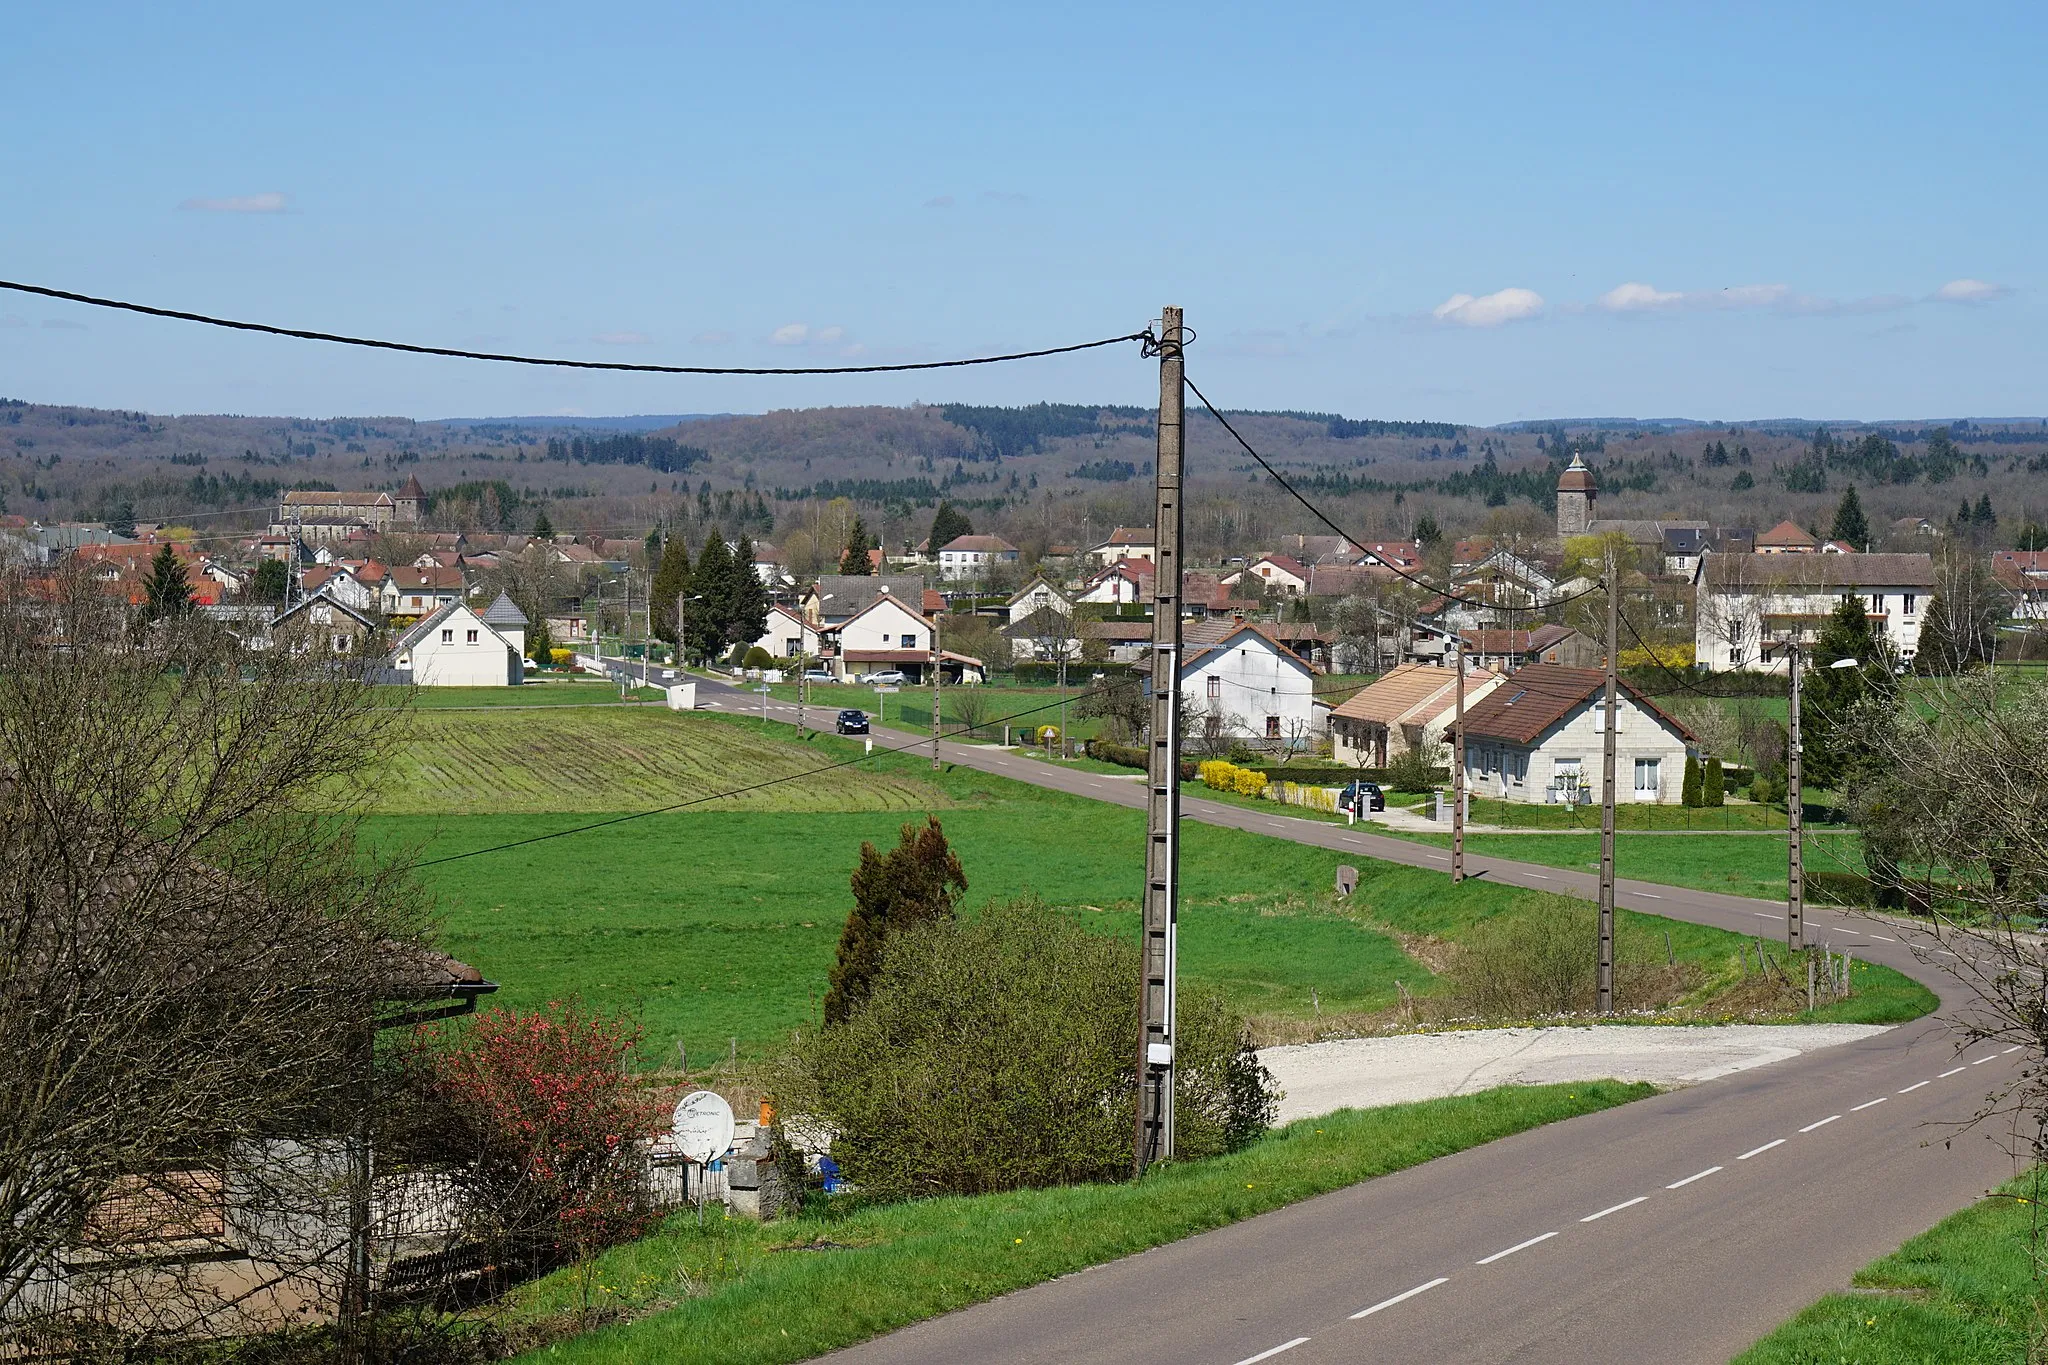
x=193 y=944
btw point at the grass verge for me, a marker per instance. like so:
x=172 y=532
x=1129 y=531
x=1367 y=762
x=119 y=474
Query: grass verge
x=738 y=1292
x=1963 y=1290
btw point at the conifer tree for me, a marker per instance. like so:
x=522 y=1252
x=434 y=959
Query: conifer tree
x=1713 y=782
x=671 y=580
x=1829 y=694
x=917 y=881
x=1689 y=793
x=711 y=583
x=169 y=591
x=1850 y=525
x=855 y=560
x=543 y=529
x=747 y=604
x=948 y=526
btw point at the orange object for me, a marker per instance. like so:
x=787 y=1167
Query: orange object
x=767 y=1112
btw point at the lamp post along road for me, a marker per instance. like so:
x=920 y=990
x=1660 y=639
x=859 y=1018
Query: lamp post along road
x=1158 y=949
x=938 y=674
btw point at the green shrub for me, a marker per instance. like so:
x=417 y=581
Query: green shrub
x=1541 y=959
x=757 y=657
x=1418 y=768
x=1689 y=792
x=1713 y=783
x=999 y=1053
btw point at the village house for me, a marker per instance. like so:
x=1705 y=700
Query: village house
x=2023 y=574
x=323 y=622
x=1125 y=542
x=456 y=646
x=1279 y=573
x=1748 y=608
x=788 y=635
x=969 y=557
x=1786 y=538
x=413 y=591
x=1538 y=737
x=1238 y=683
x=1547 y=644
x=336 y=581
x=318 y=516
x=836 y=598
x=1127 y=580
x=1037 y=595
x=1406 y=710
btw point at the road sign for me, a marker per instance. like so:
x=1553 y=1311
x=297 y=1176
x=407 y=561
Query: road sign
x=882 y=687
x=703 y=1126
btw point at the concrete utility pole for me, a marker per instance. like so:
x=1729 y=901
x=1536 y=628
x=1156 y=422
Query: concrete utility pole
x=1606 y=969
x=938 y=674
x=1458 y=772
x=1154 y=1138
x=1795 y=870
x=682 y=601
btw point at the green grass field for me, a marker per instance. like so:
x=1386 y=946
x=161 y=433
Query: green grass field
x=742 y=1293
x=719 y=921
x=1739 y=864
x=500 y=762
x=1965 y=1290
x=911 y=708
x=548 y=691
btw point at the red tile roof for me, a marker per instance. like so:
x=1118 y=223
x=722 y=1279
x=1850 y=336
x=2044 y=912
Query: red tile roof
x=1539 y=696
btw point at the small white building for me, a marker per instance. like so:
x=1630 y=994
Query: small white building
x=1748 y=608
x=456 y=647
x=1280 y=573
x=324 y=623
x=1125 y=542
x=413 y=591
x=1035 y=596
x=968 y=557
x=1127 y=580
x=1539 y=735
x=1409 y=708
x=1236 y=683
x=788 y=635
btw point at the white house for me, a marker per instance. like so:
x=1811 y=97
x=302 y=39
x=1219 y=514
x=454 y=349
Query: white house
x=340 y=583
x=1539 y=737
x=885 y=634
x=325 y=622
x=1125 y=542
x=1281 y=573
x=1035 y=596
x=1127 y=580
x=413 y=591
x=1747 y=608
x=788 y=635
x=965 y=557
x=457 y=647
x=1236 y=683
x=1407 y=709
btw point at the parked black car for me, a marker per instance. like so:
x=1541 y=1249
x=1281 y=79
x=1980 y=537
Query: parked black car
x=1361 y=798
x=853 y=722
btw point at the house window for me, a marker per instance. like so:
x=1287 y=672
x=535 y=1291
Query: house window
x=447 y=637
x=1649 y=772
x=1877 y=602
x=1215 y=689
x=472 y=637
x=909 y=641
x=1735 y=658
x=1911 y=603
x=1272 y=727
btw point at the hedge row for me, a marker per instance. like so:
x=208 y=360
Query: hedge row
x=1046 y=673
x=1131 y=756
x=1219 y=775
x=1337 y=777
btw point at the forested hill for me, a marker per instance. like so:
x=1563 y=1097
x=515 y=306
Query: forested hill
x=1069 y=467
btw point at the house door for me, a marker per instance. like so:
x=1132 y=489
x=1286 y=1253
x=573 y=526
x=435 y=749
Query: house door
x=1649 y=784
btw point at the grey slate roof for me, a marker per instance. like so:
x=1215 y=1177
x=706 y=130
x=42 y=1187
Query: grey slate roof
x=1818 y=571
x=504 y=612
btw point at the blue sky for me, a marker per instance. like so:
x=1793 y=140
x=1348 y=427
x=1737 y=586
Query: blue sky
x=1477 y=213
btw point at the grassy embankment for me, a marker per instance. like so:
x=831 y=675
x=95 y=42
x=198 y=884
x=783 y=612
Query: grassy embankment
x=547 y=691
x=737 y=1293
x=719 y=921
x=1739 y=864
x=1966 y=1290
x=910 y=708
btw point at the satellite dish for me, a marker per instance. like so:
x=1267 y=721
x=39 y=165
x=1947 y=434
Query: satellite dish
x=703 y=1126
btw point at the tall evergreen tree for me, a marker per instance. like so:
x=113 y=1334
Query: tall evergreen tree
x=948 y=526
x=855 y=560
x=671 y=580
x=1427 y=532
x=122 y=523
x=917 y=881
x=747 y=604
x=1828 y=695
x=1713 y=782
x=712 y=584
x=543 y=529
x=1689 y=790
x=1985 y=517
x=169 y=591
x=270 y=583
x=1850 y=525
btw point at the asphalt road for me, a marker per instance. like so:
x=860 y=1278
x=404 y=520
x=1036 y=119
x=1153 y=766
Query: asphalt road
x=1679 y=1228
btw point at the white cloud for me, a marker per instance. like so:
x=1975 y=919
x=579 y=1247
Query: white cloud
x=622 y=338
x=825 y=336
x=790 y=334
x=269 y=202
x=1972 y=291
x=1489 y=310
x=1633 y=297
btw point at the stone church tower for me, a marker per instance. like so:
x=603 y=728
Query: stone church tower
x=1576 y=490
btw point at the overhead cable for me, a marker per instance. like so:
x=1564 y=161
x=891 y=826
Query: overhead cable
x=409 y=348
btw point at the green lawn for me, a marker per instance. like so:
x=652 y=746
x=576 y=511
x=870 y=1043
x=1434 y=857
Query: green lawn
x=741 y=1293
x=1530 y=815
x=911 y=708
x=1739 y=864
x=547 y=691
x=1963 y=1291
x=720 y=921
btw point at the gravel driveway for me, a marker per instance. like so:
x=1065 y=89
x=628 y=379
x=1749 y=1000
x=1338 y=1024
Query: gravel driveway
x=1359 y=1073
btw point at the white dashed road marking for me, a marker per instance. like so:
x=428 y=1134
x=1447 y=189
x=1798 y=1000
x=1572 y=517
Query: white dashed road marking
x=1866 y=1104
x=1948 y=1073
x=1269 y=1354
x=1700 y=1175
x=1399 y=1298
x=1914 y=1086
x=1519 y=1246
x=1822 y=1124
x=1759 y=1151
x=1617 y=1208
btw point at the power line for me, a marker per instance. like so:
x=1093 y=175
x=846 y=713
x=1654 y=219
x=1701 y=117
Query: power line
x=302 y=334
x=756 y=786
x=1319 y=515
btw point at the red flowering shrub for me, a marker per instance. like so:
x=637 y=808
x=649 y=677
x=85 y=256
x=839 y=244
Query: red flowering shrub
x=544 y=1129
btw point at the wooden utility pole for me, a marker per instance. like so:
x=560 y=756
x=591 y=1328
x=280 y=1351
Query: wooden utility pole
x=1154 y=1138
x=1606 y=968
x=1458 y=772
x=1795 y=803
x=938 y=673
